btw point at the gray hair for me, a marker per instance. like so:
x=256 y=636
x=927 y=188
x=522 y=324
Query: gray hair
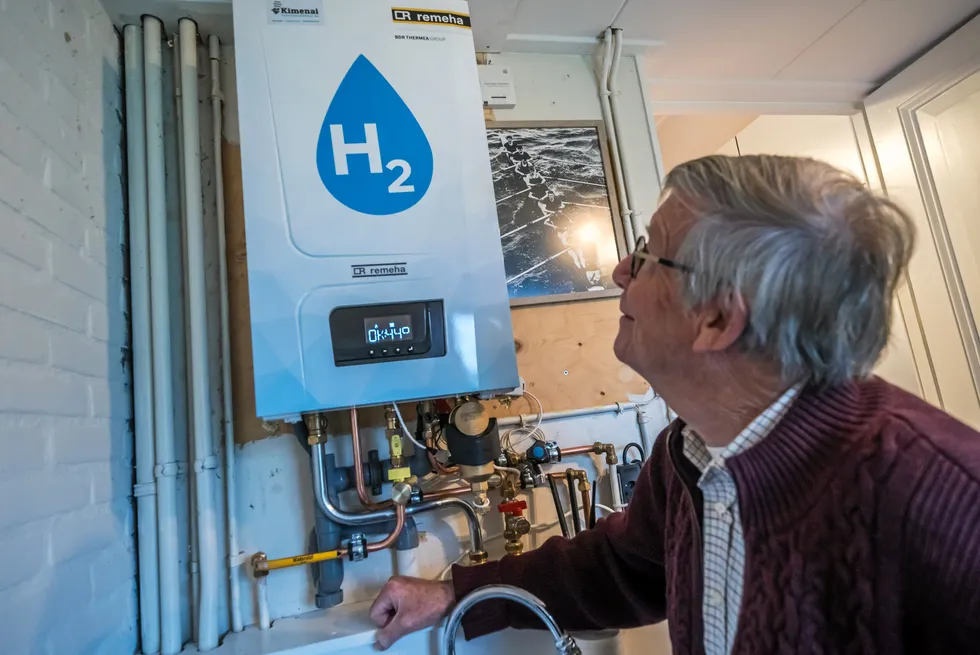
x=812 y=251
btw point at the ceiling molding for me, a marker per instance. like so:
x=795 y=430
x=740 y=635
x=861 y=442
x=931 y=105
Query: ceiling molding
x=555 y=44
x=664 y=108
x=751 y=93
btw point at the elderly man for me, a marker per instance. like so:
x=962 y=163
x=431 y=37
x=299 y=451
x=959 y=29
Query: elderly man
x=797 y=505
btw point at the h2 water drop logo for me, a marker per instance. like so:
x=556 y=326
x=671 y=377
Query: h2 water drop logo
x=372 y=154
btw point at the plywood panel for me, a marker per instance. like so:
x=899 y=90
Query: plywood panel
x=247 y=426
x=565 y=355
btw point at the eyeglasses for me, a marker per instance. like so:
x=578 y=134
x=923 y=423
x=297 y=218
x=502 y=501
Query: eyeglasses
x=640 y=255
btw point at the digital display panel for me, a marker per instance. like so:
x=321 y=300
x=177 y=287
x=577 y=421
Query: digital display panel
x=388 y=329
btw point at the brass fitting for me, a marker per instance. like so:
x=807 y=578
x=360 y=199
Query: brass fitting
x=260 y=565
x=515 y=528
x=607 y=449
x=316 y=425
x=479 y=557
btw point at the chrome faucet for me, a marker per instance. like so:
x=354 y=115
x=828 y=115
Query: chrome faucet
x=563 y=643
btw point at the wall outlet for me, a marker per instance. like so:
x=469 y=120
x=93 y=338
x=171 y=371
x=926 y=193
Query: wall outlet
x=628 y=475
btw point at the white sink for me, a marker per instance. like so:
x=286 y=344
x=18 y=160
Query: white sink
x=347 y=630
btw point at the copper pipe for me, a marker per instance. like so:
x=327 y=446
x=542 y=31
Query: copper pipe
x=362 y=492
x=390 y=539
x=578 y=450
x=586 y=504
x=445 y=493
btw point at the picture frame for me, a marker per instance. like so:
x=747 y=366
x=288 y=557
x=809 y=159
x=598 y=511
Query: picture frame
x=560 y=226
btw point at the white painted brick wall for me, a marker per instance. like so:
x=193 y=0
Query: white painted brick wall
x=68 y=584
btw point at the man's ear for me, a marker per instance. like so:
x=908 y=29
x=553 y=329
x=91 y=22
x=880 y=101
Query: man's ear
x=719 y=324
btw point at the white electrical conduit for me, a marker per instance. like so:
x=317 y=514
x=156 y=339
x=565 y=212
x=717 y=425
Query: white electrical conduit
x=632 y=219
x=264 y=621
x=139 y=276
x=617 y=496
x=192 y=521
x=163 y=411
x=617 y=408
x=613 y=139
x=658 y=159
x=204 y=459
x=234 y=557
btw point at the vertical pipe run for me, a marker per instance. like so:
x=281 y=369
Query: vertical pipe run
x=658 y=159
x=139 y=280
x=204 y=459
x=573 y=503
x=192 y=520
x=631 y=214
x=613 y=139
x=558 y=507
x=214 y=54
x=166 y=466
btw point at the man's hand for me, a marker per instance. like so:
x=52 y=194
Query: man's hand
x=409 y=604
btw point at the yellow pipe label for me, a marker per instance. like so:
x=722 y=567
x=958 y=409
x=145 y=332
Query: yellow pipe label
x=299 y=560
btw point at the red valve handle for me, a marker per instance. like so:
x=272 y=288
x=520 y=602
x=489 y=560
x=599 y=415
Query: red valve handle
x=515 y=507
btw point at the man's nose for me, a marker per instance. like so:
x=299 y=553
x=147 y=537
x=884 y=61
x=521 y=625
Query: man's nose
x=621 y=274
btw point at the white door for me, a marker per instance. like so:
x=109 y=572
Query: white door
x=925 y=128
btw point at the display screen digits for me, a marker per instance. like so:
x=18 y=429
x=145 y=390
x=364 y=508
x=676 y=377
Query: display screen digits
x=388 y=329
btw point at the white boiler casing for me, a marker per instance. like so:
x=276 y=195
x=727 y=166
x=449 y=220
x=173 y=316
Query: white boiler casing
x=374 y=262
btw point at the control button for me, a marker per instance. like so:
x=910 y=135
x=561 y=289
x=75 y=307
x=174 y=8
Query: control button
x=371 y=353
x=410 y=349
x=384 y=351
x=398 y=351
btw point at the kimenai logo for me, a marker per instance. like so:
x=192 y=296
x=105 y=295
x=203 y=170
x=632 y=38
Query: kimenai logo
x=278 y=8
x=427 y=17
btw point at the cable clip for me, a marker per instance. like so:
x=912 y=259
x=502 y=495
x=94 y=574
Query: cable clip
x=166 y=470
x=144 y=489
x=208 y=463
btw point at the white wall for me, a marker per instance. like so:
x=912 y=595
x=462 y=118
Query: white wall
x=830 y=139
x=563 y=87
x=66 y=520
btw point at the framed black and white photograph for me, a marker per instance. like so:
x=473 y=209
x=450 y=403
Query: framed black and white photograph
x=559 y=221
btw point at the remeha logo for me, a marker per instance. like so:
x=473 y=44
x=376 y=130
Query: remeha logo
x=278 y=8
x=429 y=17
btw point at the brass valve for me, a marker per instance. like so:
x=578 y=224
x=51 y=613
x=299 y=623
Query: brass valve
x=316 y=425
x=515 y=527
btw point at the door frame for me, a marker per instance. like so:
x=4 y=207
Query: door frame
x=941 y=326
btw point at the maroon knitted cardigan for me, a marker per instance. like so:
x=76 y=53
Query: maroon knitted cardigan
x=861 y=514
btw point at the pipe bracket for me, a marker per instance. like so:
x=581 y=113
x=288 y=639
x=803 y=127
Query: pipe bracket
x=168 y=470
x=144 y=489
x=206 y=464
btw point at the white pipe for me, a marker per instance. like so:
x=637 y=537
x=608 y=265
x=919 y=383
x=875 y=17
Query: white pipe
x=204 y=459
x=613 y=139
x=166 y=466
x=618 y=408
x=635 y=220
x=234 y=556
x=617 y=496
x=263 y=586
x=192 y=521
x=646 y=440
x=139 y=279
x=658 y=159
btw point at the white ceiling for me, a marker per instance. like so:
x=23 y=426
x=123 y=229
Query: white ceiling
x=832 y=51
